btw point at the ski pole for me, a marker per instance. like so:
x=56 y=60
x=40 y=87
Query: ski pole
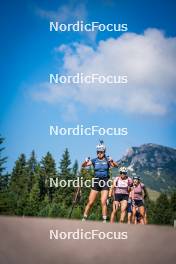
x=74 y=201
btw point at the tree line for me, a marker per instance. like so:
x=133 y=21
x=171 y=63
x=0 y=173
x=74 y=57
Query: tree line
x=25 y=191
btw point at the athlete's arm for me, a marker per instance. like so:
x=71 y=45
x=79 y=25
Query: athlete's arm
x=129 y=189
x=111 y=190
x=130 y=185
x=132 y=194
x=145 y=193
x=86 y=163
x=113 y=163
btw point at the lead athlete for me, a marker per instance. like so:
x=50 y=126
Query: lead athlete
x=101 y=165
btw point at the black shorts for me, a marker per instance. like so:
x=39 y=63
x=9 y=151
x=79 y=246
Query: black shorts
x=138 y=203
x=121 y=197
x=100 y=184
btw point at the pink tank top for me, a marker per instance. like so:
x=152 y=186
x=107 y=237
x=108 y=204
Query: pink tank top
x=137 y=191
x=122 y=185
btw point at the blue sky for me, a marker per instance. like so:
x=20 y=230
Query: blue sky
x=28 y=55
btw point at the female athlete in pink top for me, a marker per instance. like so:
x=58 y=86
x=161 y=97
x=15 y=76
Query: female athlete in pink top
x=122 y=184
x=138 y=194
x=121 y=187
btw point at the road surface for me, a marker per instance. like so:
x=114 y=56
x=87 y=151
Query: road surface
x=44 y=240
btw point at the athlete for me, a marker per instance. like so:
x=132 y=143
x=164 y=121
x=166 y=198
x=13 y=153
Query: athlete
x=129 y=209
x=139 y=219
x=139 y=193
x=120 y=190
x=101 y=165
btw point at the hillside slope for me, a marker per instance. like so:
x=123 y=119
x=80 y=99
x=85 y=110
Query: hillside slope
x=155 y=164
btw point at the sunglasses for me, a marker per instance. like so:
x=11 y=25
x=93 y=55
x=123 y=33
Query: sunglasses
x=125 y=173
x=100 y=152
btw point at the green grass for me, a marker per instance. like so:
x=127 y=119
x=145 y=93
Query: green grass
x=153 y=195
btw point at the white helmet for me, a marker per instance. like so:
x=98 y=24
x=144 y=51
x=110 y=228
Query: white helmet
x=101 y=146
x=123 y=170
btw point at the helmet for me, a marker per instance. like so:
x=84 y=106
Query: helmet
x=101 y=146
x=123 y=170
x=135 y=177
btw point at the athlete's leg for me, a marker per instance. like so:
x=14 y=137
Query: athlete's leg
x=104 y=196
x=134 y=214
x=114 y=211
x=124 y=204
x=145 y=218
x=92 y=198
x=129 y=217
x=142 y=213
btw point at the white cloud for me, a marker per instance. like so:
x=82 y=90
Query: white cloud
x=65 y=13
x=149 y=61
x=69 y=13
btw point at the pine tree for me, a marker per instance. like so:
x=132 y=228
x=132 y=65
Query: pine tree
x=63 y=196
x=4 y=182
x=75 y=168
x=3 y=177
x=150 y=207
x=65 y=173
x=19 y=186
x=44 y=207
x=173 y=207
x=55 y=210
x=32 y=167
x=48 y=170
x=65 y=163
x=162 y=212
x=34 y=200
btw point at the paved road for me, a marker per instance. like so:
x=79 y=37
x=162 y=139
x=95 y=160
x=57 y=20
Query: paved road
x=27 y=240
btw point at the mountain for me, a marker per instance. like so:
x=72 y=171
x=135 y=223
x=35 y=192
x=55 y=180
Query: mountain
x=155 y=164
